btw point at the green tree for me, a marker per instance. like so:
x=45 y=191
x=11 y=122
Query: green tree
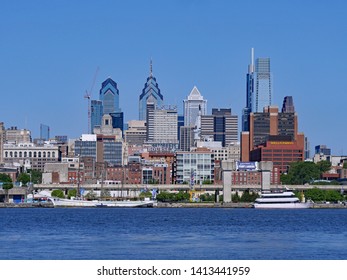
x=6 y=184
x=24 y=178
x=235 y=197
x=58 y=193
x=323 y=166
x=91 y=195
x=300 y=173
x=36 y=176
x=71 y=193
x=145 y=194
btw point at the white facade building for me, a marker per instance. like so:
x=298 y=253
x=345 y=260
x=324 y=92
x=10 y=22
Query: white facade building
x=194 y=103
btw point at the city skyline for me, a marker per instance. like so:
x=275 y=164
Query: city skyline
x=50 y=53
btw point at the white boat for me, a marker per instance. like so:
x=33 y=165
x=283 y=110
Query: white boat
x=280 y=199
x=62 y=202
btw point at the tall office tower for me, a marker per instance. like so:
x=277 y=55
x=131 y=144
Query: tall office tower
x=194 y=102
x=221 y=125
x=162 y=125
x=186 y=138
x=109 y=95
x=151 y=89
x=258 y=87
x=2 y=141
x=180 y=123
x=150 y=107
x=44 y=132
x=117 y=120
x=273 y=136
x=307 y=149
x=288 y=105
x=96 y=110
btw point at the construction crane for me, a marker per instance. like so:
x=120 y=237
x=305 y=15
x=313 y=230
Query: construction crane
x=88 y=96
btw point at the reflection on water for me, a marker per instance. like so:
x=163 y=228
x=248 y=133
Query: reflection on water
x=173 y=233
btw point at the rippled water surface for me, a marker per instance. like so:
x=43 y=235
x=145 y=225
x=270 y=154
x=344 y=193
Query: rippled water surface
x=172 y=233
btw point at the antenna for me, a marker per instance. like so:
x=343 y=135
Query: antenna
x=151 y=68
x=88 y=96
x=251 y=66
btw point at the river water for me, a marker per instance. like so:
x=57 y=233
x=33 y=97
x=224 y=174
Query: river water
x=172 y=234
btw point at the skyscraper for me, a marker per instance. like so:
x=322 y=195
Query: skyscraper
x=151 y=89
x=288 y=105
x=221 y=125
x=273 y=136
x=44 y=132
x=194 y=102
x=96 y=109
x=258 y=87
x=109 y=95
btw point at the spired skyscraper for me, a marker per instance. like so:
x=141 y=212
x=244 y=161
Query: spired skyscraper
x=151 y=89
x=259 y=88
x=194 y=103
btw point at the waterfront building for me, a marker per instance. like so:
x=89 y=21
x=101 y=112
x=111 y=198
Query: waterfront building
x=109 y=96
x=2 y=141
x=151 y=89
x=31 y=156
x=96 y=110
x=221 y=125
x=194 y=167
x=16 y=136
x=273 y=136
x=259 y=89
x=194 y=105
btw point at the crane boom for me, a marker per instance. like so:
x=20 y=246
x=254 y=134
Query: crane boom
x=88 y=96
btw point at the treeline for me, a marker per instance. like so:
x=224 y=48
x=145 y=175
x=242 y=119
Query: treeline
x=305 y=172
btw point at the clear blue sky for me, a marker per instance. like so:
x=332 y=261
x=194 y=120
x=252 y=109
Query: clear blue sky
x=50 y=51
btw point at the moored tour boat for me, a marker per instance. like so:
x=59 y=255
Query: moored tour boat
x=280 y=199
x=62 y=202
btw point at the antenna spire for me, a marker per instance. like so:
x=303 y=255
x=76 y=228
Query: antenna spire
x=151 y=68
x=251 y=66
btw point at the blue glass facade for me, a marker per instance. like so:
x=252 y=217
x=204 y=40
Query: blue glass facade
x=44 y=132
x=96 y=114
x=109 y=95
x=151 y=89
x=258 y=89
x=117 y=120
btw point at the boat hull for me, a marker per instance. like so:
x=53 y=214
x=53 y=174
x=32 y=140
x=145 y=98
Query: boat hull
x=282 y=205
x=59 y=202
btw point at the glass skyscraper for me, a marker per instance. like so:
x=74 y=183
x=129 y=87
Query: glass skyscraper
x=194 y=103
x=259 y=88
x=96 y=109
x=109 y=95
x=151 y=89
x=44 y=132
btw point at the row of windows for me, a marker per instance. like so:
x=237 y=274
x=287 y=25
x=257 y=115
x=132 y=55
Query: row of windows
x=30 y=154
